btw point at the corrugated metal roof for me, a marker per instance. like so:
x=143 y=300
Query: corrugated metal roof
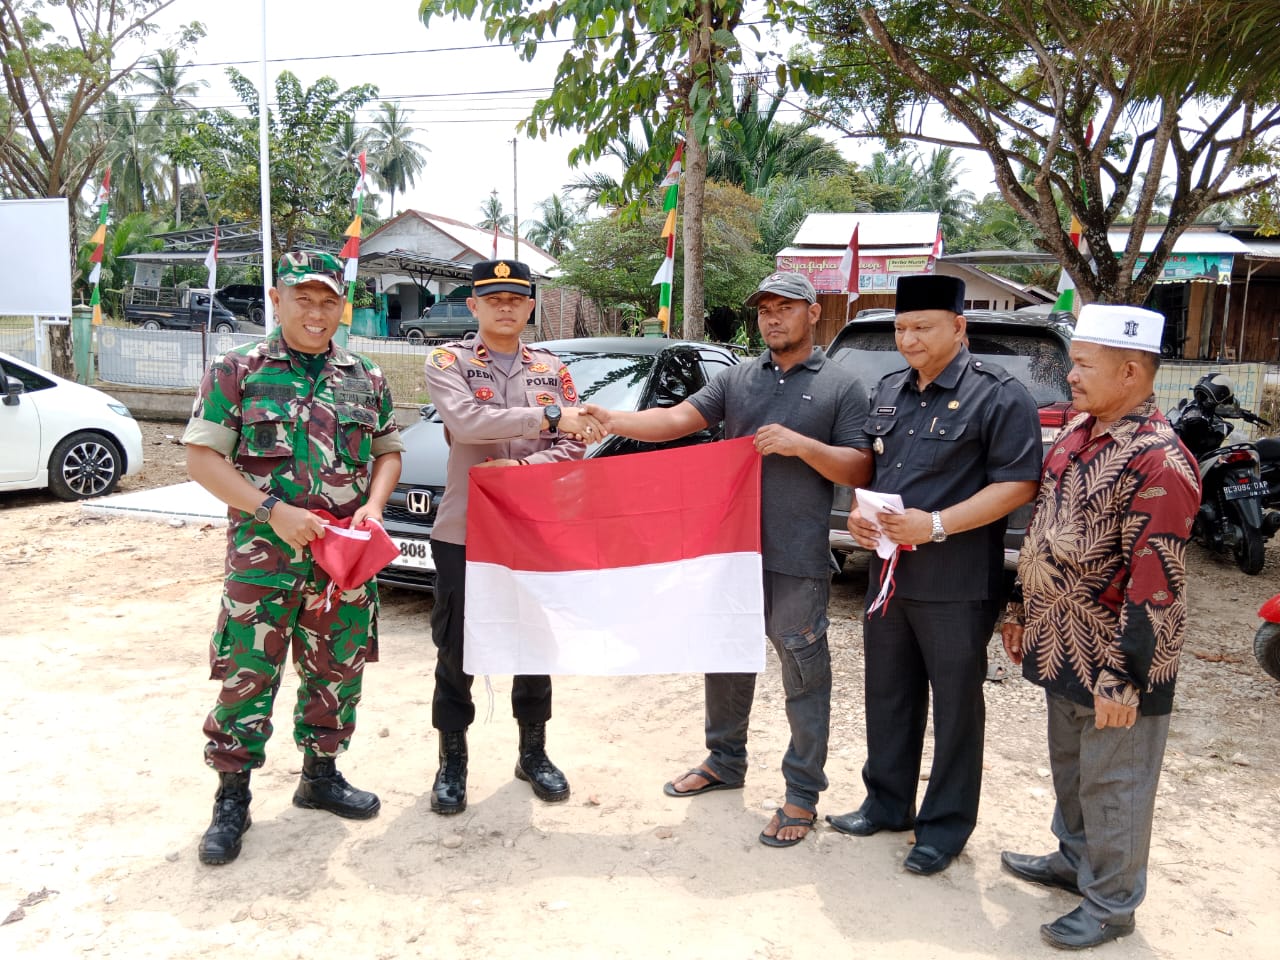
x=1263 y=249
x=874 y=230
x=1193 y=241
x=863 y=250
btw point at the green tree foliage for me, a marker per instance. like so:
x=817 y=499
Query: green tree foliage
x=615 y=257
x=670 y=63
x=554 y=228
x=137 y=183
x=394 y=155
x=1023 y=80
x=58 y=60
x=786 y=201
x=129 y=234
x=492 y=216
x=306 y=193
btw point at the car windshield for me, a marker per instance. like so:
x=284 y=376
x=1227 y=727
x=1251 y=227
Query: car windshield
x=613 y=380
x=1039 y=362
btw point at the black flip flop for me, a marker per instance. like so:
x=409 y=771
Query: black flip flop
x=786 y=821
x=713 y=783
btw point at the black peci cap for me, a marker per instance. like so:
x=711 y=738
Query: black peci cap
x=928 y=291
x=501 y=276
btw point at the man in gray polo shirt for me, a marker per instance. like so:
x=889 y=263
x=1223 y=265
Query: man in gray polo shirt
x=806 y=414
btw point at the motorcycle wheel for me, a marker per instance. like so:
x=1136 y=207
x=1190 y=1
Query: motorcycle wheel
x=1251 y=551
x=1266 y=647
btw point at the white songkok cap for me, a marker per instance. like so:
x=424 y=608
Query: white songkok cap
x=1112 y=325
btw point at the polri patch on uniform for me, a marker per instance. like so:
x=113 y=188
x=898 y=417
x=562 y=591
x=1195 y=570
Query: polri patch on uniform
x=539 y=367
x=878 y=445
x=442 y=359
x=484 y=393
x=566 y=385
x=545 y=399
x=886 y=411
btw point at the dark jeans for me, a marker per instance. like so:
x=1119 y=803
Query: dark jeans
x=920 y=646
x=451 y=706
x=795 y=610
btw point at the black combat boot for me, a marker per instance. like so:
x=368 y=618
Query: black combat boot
x=221 y=842
x=535 y=766
x=322 y=787
x=449 y=792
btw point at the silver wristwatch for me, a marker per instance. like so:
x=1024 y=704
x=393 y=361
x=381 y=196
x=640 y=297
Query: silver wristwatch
x=937 y=535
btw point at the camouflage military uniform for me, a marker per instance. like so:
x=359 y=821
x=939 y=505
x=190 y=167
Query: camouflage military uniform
x=311 y=445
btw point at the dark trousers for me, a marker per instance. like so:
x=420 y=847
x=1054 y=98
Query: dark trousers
x=795 y=611
x=917 y=647
x=451 y=706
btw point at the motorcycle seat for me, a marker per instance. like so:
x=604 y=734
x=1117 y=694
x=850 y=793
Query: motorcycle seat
x=1269 y=448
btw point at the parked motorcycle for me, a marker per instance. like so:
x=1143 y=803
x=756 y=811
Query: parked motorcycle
x=1233 y=515
x=1266 y=645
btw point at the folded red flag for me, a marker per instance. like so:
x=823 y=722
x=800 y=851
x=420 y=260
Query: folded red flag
x=352 y=556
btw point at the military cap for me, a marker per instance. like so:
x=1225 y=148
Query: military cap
x=793 y=286
x=310 y=266
x=501 y=276
x=928 y=291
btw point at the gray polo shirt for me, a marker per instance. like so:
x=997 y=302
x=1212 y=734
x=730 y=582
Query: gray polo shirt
x=816 y=398
x=973 y=426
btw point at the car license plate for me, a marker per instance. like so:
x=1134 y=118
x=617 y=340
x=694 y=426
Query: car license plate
x=413 y=553
x=1239 y=491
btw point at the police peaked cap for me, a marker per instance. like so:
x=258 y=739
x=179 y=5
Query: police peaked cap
x=501 y=276
x=928 y=291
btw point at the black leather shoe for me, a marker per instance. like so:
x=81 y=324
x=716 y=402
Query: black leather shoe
x=449 y=792
x=1037 y=870
x=857 y=824
x=926 y=860
x=535 y=767
x=322 y=787
x=221 y=842
x=1079 y=930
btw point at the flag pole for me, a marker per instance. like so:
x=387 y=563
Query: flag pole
x=264 y=186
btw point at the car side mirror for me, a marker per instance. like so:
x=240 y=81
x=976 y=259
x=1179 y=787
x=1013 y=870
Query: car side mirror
x=12 y=389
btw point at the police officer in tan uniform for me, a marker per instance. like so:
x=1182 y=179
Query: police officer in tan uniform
x=503 y=404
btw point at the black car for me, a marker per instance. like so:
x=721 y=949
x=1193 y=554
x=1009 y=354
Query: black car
x=1033 y=348
x=443 y=320
x=620 y=373
x=245 y=300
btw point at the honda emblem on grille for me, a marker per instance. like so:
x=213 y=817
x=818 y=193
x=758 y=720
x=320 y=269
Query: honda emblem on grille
x=418 y=501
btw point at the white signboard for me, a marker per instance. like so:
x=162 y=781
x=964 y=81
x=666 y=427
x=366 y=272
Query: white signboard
x=35 y=258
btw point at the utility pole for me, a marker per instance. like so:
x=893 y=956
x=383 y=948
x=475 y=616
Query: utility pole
x=515 y=203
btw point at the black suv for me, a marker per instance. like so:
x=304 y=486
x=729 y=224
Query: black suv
x=244 y=299
x=620 y=373
x=443 y=320
x=1033 y=348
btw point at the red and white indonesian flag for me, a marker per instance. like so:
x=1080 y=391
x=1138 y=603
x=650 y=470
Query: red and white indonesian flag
x=648 y=563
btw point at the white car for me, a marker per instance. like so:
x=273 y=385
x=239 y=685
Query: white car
x=75 y=440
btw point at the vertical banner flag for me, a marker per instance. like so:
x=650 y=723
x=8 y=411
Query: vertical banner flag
x=99 y=239
x=351 y=249
x=1067 y=286
x=936 y=252
x=211 y=264
x=666 y=273
x=647 y=563
x=849 y=269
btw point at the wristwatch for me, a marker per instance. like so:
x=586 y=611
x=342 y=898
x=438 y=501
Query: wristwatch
x=263 y=513
x=552 y=413
x=938 y=534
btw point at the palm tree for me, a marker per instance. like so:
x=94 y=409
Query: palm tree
x=492 y=215
x=632 y=152
x=342 y=155
x=397 y=159
x=553 y=232
x=136 y=182
x=937 y=190
x=161 y=76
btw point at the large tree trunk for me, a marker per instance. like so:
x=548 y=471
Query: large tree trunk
x=61 y=355
x=177 y=196
x=695 y=189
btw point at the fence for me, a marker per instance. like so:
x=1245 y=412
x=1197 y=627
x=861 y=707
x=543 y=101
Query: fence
x=18 y=338
x=1252 y=381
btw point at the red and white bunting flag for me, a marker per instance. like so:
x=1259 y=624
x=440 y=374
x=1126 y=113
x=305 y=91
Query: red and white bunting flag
x=849 y=264
x=936 y=252
x=362 y=182
x=666 y=272
x=211 y=260
x=104 y=191
x=677 y=166
x=648 y=563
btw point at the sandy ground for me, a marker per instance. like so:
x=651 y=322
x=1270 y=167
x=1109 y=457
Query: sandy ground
x=103 y=687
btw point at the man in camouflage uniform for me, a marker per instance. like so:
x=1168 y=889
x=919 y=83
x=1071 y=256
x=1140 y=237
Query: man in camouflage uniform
x=282 y=427
x=500 y=402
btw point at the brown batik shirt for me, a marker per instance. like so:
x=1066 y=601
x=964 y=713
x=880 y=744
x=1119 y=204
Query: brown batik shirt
x=1102 y=570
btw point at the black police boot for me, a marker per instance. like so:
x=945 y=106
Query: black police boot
x=221 y=842
x=535 y=766
x=322 y=787
x=449 y=792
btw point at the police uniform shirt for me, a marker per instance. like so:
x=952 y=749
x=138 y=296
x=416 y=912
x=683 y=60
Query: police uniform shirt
x=816 y=398
x=491 y=414
x=972 y=426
